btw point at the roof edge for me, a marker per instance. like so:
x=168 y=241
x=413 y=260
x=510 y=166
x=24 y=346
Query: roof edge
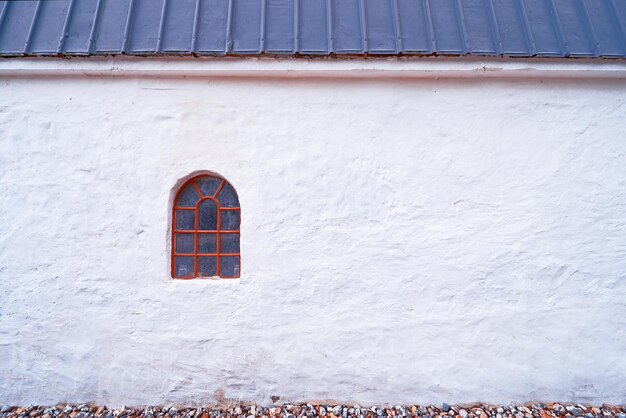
x=389 y=68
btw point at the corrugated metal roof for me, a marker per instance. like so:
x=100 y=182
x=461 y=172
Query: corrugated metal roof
x=525 y=28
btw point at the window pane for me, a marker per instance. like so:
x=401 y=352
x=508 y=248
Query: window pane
x=188 y=197
x=207 y=215
x=208 y=185
x=207 y=244
x=185 y=220
x=183 y=266
x=229 y=243
x=206 y=266
x=184 y=243
x=230 y=220
x=228 y=197
x=229 y=266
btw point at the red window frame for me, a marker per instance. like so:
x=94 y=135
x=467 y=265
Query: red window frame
x=197 y=231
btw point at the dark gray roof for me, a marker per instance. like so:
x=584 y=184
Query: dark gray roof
x=526 y=28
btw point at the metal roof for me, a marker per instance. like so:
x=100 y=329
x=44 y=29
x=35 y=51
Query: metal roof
x=525 y=28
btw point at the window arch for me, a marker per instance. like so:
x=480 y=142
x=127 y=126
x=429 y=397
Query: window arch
x=205 y=229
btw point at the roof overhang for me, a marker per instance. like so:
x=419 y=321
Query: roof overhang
x=381 y=68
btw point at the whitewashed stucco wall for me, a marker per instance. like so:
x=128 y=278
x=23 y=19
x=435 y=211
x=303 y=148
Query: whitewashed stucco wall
x=402 y=240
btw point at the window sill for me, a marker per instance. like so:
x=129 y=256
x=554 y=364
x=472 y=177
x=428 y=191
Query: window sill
x=208 y=281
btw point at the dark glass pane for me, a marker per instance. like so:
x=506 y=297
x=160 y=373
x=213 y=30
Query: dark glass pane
x=207 y=244
x=208 y=185
x=184 y=243
x=206 y=266
x=188 y=197
x=229 y=243
x=207 y=218
x=228 y=197
x=229 y=266
x=185 y=220
x=230 y=220
x=183 y=266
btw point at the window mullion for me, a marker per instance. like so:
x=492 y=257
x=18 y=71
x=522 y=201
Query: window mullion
x=219 y=227
x=195 y=239
x=173 y=243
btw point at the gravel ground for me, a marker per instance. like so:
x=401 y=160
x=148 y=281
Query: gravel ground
x=535 y=410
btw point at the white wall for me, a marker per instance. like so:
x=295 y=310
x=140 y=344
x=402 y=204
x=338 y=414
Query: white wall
x=402 y=240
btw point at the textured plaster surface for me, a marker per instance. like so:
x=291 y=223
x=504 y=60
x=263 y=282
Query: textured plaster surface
x=402 y=241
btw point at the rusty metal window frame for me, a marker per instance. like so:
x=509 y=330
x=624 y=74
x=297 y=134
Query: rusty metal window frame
x=219 y=231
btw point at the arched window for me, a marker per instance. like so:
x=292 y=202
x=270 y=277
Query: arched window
x=205 y=229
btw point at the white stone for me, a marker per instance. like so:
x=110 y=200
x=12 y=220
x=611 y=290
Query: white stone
x=402 y=240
